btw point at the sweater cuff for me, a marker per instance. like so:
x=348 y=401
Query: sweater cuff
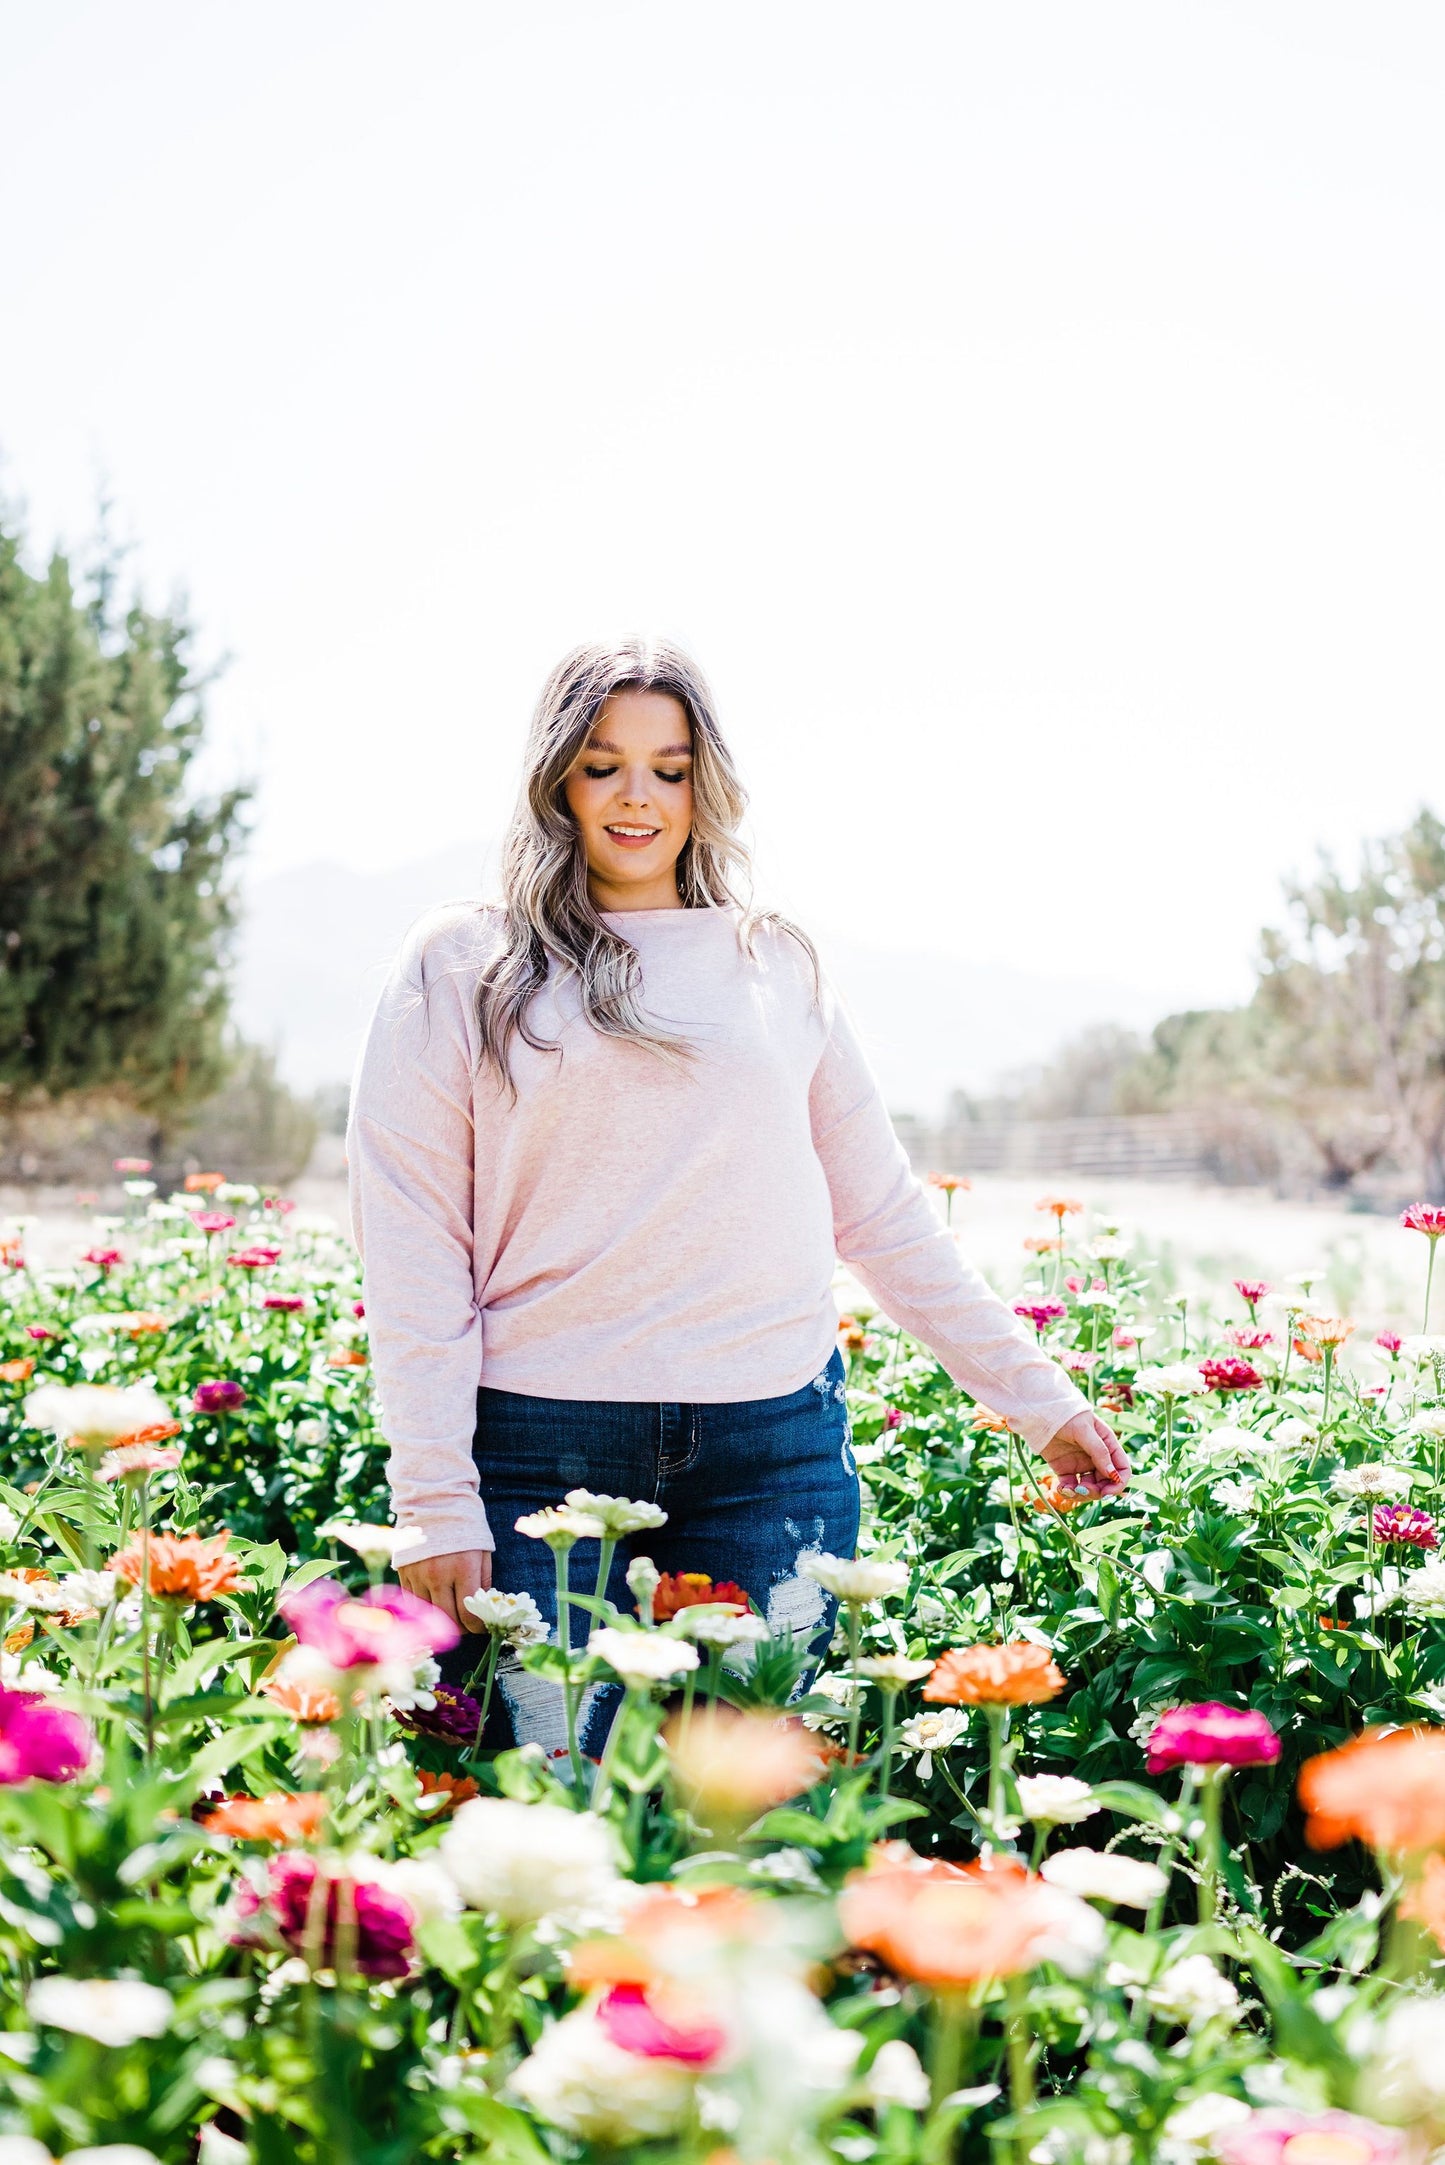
x=449 y=1535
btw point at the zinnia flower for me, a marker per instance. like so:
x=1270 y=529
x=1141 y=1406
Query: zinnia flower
x=305 y=1701
x=96 y=1415
x=1062 y=1206
x=1175 y=1379
x=632 y=2022
x=103 y=1259
x=515 y=1619
x=1389 y=1342
x=1249 y=1341
x=950 y=1183
x=1225 y=1374
x=642 y=1657
x=1281 y=2136
x=130 y=1165
x=1251 y=1291
x=258 y=1257
x=578 y=2079
x=1387 y=1790
x=290 y=1304
x=114 y=2011
x=930 y=1733
x=130 y=1461
x=619 y=1514
x=1056 y=1800
x=561 y=1527
x=182 y=1566
x=276 y=1818
x=523 y=1862
x=854 y=1580
x=204 y=1183
x=385 y=1624
x=1192 y=1992
x=676 y=1590
x=942 y=1925
x=1104 y=1876
x=39 y=1741
x=16 y=1371
x=739 y=1764
x=454 y=1716
x=1399 y=1523
x=1018 y=1674
x=221 y=1396
x=442 y=1793
x=1330 y=1331
x=379 y=1928
x=1040 y=1313
x=1371 y=1480
x=211 y=1222
x=1211 y=1735
x=1426 y=1218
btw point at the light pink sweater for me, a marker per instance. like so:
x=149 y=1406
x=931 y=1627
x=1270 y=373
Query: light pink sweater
x=629 y=1229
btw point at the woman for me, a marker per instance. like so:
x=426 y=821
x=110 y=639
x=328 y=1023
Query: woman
x=606 y=1141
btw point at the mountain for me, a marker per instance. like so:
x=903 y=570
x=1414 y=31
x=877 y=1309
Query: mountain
x=317 y=939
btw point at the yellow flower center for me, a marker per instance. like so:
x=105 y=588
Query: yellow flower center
x=1315 y=2147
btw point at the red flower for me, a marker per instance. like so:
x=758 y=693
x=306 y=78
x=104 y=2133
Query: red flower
x=39 y=1333
x=1230 y=1375
x=1250 y=1341
x=287 y=1303
x=691 y=1590
x=1426 y=1218
x=1211 y=1735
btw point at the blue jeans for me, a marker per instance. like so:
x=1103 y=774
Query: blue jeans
x=749 y=1490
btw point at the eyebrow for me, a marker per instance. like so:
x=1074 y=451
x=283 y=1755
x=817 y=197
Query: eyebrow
x=668 y=751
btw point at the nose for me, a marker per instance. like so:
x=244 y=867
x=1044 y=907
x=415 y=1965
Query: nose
x=635 y=786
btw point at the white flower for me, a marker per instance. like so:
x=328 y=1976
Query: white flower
x=711 y=1626
x=1072 y=1936
x=47 y=1596
x=310 y=1434
x=89 y=1589
x=513 y=1618
x=1176 y=1379
x=642 y=1657
x=1142 y=1727
x=619 y=1515
x=896 y=2077
x=1192 y=1992
x=1102 y=1876
x=1228 y=1441
x=1237 y=1496
x=1430 y=1423
x=844 y=1693
x=94 y=1413
x=1055 y=1800
x=1205 y=2117
x=560 y=1526
x=1371 y=1480
x=1293 y=1435
x=527 y=1861
x=216 y=2148
x=578 y=2080
x=1107 y=1248
x=23 y=2150
x=893 y=1671
x=111 y=2153
x=9 y=1523
x=1423 y=1591
x=374 y=1544
x=643 y=1580
x=424 y=1884
x=26 y=1675
x=112 y=2010
x=1404 y=2080
x=1423 y=1352
x=854 y=1579
x=930 y=1733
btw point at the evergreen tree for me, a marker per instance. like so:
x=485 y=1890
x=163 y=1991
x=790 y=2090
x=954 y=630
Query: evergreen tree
x=115 y=902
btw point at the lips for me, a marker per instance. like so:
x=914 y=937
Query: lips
x=634 y=837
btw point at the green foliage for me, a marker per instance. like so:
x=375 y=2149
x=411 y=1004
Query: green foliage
x=115 y=904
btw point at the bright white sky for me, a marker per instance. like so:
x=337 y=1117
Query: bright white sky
x=1031 y=415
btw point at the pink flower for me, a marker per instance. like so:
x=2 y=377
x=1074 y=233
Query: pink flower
x=1389 y=1342
x=281 y=1204
x=259 y=1256
x=39 y=1332
x=1280 y=2136
x=1079 y=1361
x=1225 y=1374
x=104 y=1259
x=138 y=1458
x=1124 y=1340
x=40 y=1741
x=1075 y=1285
x=1040 y=1313
x=214 y=1221
x=1250 y=1341
x=130 y=1165
x=224 y=1396
x=288 y=1303
x=1400 y=1522
x=358 y=1308
x=628 y=2020
x=1251 y=1291
x=380 y=1927
x=1211 y=1735
x=384 y=1624
x=1426 y=1218
x=892 y=1418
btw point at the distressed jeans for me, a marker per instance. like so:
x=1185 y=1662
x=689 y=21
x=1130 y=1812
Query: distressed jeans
x=749 y=1489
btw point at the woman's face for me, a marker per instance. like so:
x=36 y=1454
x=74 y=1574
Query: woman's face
x=630 y=793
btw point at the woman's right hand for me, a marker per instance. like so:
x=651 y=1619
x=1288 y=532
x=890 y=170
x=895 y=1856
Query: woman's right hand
x=446 y=1581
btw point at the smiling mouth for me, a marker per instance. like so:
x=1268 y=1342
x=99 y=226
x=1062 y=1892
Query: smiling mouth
x=634 y=837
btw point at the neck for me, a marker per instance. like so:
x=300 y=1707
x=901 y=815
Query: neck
x=658 y=894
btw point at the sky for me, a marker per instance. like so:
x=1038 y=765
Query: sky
x=1030 y=416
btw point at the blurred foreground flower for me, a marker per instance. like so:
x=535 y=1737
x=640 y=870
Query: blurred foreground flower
x=523 y=1862
x=317 y=1908
x=114 y=2011
x=1386 y=1789
x=1279 y=2136
x=276 y=1818
x=739 y=1764
x=946 y=1925
x=96 y=1415
x=384 y=1625
x=39 y=1741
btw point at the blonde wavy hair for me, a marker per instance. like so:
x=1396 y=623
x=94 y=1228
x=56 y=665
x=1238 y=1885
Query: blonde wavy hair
x=550 y=919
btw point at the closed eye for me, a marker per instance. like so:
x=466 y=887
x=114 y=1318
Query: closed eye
x=598 y=774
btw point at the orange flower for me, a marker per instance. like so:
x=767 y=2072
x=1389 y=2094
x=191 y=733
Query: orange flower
x=204 y=1183
x=17 y=1640
x=16 y=1371
x=691 y=1590
x=950 y=1183
x=1062 y=1206
x=143 y=1323
x=988 y=1422
x=157 y=1432
x=1324 y=1330
x=1306 y=1351
x=1044 y=1244
x=738 y=1764
x=1019 y=1674
x=33 y=1575
x=940 y=1925
x=1425 y=1901
x=306 y=1703
x=276 y=1818
x=352 y=1357
x=1387 y=1789
x=665 y=1930
x=452 y=1789
x=1053 y=1496
x=182 y=1566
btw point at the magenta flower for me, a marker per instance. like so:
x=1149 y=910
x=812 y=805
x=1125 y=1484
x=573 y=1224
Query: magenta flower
x=38 y=1332
x=1281 y=2136
x=358 y=1308
x=1040 y=1313
x=1228 y=1374
x=1251 y=1291
x=892 y=1417
x=380 y=1926
x=629 y=2021
x=1426 y=1218
x=257 y=1257
x=130 y=1165
x=40 y=1741
x=214 y=1221
x=352 y=1631
x=104 y=1259
x=1389 y=1342
x=290 y=1304
x=223 y=1396
x=1211 y=1735
x=1400 y=1522
x=454 y=1719
x=1249 y=1341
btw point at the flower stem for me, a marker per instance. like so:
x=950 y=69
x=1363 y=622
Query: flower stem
x=1211 y=1802
x=855 y=1710
x=564 y=1640
x=1429 y=1275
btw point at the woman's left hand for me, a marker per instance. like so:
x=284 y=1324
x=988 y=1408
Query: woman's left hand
x=1085 y=1453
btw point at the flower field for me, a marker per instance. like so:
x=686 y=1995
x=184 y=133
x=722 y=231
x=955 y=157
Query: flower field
x=1106 y=1831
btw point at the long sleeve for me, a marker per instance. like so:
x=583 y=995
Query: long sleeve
x=410 y=1143
x=890 y=1237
